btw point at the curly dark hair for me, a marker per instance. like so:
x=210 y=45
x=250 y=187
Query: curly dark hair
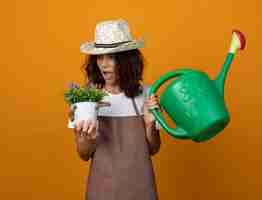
x=129 y=69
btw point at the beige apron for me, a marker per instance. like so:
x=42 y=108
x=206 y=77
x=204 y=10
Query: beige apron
x=121 y=167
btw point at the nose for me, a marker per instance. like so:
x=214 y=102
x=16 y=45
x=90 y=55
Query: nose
x=103 y=61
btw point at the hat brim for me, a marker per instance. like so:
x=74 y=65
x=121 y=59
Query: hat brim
x=89 y=47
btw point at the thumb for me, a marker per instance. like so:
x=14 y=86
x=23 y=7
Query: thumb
x=72 y=112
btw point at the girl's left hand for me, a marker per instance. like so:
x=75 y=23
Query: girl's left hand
x=150 y=102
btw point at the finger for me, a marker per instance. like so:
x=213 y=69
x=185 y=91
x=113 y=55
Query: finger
x=85 y=128
x=153 y=99
x=78 y=129
x=91 y=127
x=94 y=132
x=85 y=125
x=150 y=104
x=153 y=96
x=79 y=125
x=153 y=103
x=153 y=107
x=71 y=114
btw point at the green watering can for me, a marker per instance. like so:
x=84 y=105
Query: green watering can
x=193 y=101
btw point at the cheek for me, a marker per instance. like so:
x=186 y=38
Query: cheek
x=98 y=63
x=112 y=64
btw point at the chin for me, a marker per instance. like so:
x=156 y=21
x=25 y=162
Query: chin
x=110 y=82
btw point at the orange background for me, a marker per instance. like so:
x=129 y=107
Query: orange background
x=40 y=55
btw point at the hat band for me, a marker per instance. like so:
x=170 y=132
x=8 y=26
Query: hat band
x=110 y=45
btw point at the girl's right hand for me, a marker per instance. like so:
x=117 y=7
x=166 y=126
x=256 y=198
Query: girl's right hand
x=86 y=130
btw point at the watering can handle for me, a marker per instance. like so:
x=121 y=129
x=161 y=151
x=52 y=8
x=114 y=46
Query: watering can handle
x=178 y=132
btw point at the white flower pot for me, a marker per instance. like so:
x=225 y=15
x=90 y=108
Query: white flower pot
x=83 y=111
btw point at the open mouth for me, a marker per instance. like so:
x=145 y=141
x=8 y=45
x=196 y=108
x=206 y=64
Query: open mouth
x=107 y=74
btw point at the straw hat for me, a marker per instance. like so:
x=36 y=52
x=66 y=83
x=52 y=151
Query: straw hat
x=110 y=37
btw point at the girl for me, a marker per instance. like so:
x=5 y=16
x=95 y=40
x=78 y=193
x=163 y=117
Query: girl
x=121 y=142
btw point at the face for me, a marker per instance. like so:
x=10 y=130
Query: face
x=107 y=66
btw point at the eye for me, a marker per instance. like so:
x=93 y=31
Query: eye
x=99 y=57
x=111 y=56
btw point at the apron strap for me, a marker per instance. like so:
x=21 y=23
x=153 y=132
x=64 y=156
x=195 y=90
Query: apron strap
x=137 y=113
x=135 y=107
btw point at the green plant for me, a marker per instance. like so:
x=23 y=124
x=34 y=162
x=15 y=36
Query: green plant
x=76 y=94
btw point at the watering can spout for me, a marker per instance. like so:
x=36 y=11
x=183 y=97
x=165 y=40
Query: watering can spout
x=238 y=42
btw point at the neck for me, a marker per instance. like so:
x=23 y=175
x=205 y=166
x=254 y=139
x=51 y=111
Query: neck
x=114 y=89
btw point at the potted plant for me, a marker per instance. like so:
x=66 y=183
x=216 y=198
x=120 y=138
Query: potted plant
x=83 y=102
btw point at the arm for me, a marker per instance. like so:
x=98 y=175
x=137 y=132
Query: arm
x=152 y=130
x=152 y=133
x=153 y=138
x=86 y=134
x=85 y=148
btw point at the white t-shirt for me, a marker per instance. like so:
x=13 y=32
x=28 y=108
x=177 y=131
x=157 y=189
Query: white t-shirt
x=122 y=106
